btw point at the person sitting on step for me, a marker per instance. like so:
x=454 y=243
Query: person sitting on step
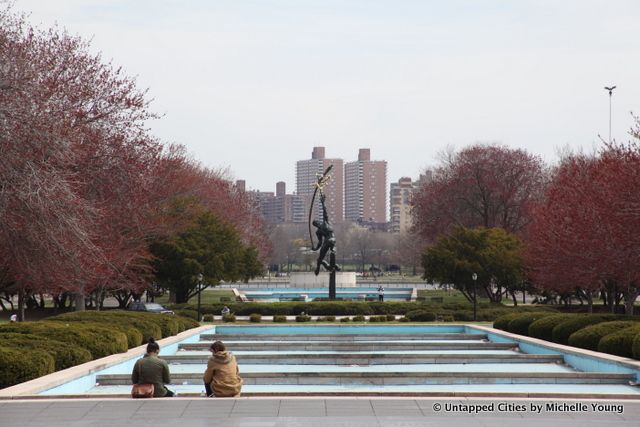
x=222 y=377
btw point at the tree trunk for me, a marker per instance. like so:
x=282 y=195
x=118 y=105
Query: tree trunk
x=21 y=316
x=630 y=295
x=79 y=302
x=589 y=302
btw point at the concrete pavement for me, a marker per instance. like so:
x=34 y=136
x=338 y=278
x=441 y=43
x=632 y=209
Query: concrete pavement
x=320 y=412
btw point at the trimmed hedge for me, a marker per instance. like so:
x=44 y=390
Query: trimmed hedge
x=279 y=319
x=74 y=338
x=462 y=316
x=420 y=316
x=143 y=322
x=460 y=311
x=229 y=318
x=503 y=321
x=303 y=318
x=134 y=336
x=18 y=366
x=620 y=343
x=100 y=341
x=255 y=318
x=190 y=314
x=63 y=354
x=590 y=336
x=543 y=328
x=563 y=330
x=520 y=324
x=358 y=318
x=635 y=347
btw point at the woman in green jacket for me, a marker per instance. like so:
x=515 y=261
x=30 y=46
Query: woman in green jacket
x=153 y=370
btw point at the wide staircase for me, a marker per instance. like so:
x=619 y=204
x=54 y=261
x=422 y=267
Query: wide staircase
x=434 y=364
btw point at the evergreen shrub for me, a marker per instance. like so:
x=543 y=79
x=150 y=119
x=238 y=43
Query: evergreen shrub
x=543 y=328
x=420 y=316
x=563 y=330
x=229 y=318
x=463 y=316
x=520 y=324
x=190 y=314
x=503 y=321
x=635 y=347
x=17 y=366
x=300 y=318
x=589 y=337
x=100 y=341
x=621 y=342
x=64 y=355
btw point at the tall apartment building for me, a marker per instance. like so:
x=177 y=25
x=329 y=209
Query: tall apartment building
x=280 y=207
x=307 y=174
x=365 y=189
x=400 y=205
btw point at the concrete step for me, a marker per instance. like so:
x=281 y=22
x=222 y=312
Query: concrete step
x=352 y=346
x=395 y=378
x=347 y=358
x=341 y=337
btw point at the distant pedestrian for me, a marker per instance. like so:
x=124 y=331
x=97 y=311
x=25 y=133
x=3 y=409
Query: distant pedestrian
x=13 y=318
x=225 y=311
x=380 y=293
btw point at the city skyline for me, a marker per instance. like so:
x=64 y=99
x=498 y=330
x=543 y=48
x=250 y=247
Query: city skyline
x=249 y=86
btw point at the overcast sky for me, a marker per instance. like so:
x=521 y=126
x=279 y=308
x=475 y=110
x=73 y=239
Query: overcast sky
x=253 y=85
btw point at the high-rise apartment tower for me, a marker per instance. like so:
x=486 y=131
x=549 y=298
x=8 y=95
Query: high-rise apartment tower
x=307 y=172
x=365 y=189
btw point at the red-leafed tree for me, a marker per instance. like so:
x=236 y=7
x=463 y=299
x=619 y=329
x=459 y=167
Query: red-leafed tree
x=479 y=186
x=84 y=187
x=586 y=233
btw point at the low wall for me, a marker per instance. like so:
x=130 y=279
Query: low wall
x=310 y=280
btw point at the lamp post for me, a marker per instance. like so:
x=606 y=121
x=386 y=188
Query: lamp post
x=474 y=276
x=200 y=277
x=610 y=89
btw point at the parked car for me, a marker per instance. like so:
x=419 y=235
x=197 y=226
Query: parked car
x=151 y=307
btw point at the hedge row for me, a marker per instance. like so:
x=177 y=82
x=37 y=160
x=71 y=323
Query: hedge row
x=16 y=367
x=457 y=311
x=590 y=336
x=608 y=333
x=31 y=349
x=543 y=328
x=64 y=355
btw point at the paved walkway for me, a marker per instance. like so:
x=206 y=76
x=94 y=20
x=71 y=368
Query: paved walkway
x=312 y=412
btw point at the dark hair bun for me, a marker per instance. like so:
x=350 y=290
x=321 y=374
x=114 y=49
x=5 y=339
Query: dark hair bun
x=151 y=340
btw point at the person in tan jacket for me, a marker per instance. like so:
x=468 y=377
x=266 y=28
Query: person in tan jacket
x=222 y=377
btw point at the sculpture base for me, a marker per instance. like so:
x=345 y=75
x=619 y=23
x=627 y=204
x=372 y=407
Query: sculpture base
x=310 y=280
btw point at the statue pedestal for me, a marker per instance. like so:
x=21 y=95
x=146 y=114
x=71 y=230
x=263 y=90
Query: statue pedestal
x=310 y=280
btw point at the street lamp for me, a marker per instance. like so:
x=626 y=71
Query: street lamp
x=200 y=277
x=610 y=89
x=474 y=276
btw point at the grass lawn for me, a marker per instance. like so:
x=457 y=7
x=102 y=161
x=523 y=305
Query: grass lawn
x=448 y=296
x=209 y=296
